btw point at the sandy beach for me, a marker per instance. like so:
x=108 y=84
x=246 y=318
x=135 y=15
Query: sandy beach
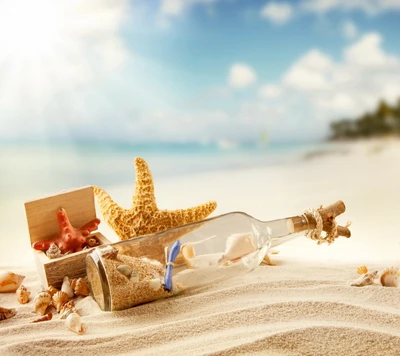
x=305 y=305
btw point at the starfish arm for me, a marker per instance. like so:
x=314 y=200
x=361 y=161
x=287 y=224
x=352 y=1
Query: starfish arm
x=143 y=198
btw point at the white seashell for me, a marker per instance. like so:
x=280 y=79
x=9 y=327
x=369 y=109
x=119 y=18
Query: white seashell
x=22 y=294
x=365 y=279
x=155 y=284
x=74 y=323
x=125 y=270
x=134 y=277
x=41 y=302
x=53 y=251
x=66 y=287
x=238 y=245
x=390 y=277
x=9 y=281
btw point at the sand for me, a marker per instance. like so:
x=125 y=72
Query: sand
x=303 y=306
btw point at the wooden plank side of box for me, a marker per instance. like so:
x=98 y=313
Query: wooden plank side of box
x=53 y=271
x=41 y=214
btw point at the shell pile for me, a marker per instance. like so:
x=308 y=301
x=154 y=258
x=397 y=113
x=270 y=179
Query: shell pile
x=389 y=277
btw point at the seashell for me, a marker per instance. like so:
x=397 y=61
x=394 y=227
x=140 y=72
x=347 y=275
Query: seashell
x=390 y=277
x=6 y=313
x=125 y=270
x=41 y=302
x=238 y=245
x=134 y=277
x=109 y=252
x=67 y=309
x=80 y=287
x=365 y=279
x=92 y=241
x=53 y=251
x=362 y=269
x=66 y=287
x=155 y=284
x=52 y=290
x=9 y=281
x=74 y=323
x=46 y=317
x=59 y=299
x=187 y=251
x=22 y=294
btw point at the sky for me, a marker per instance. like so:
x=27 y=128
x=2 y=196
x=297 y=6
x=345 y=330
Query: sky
x=193 y=70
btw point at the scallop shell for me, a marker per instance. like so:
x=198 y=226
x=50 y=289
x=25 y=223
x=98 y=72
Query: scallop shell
x=59 y=299
x=67 y=309
x=74 y=323
x=80 y=287
x=66 y=287
x=362 y=269
x=238 y=245
x=52 y=290
x=6 y=313
x=390 y=277
x=125 y=270
x=53 y=251
x=365 y=279
x=9 y=281
x=41 y=302
x=22 y=294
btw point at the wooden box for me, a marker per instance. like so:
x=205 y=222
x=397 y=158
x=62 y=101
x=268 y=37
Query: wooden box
x=42 y=224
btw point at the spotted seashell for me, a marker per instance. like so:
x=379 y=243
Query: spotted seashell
x=59 y=299
x=41 y=302
x=80 y=287
x=53 y=251
x=365 y=279
x=125 y=270
x=390 y=277
x=22 y=294
x=66 y=287
x=109 y=252
x=362 y=269
x=10 y=281
x=74 y=323
x=6 y=313
x=67 y=309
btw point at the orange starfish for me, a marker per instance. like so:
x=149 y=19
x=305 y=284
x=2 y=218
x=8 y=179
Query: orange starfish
x=144 y=217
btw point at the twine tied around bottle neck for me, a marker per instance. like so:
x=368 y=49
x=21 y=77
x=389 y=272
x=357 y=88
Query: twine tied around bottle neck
x=316 y=233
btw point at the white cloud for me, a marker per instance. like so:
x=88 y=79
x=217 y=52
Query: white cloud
x=241 y=76
x=178 y=7
x=277 y=12
x=368 y=6
x=311 y=72
x=270 y=91
x=349 y=30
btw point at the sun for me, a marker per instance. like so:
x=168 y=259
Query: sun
x=30 y=29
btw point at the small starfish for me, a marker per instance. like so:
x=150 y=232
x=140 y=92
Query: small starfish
x=69 y=238
x=144 y=217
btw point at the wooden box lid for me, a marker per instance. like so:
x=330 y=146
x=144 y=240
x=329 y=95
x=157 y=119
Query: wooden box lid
x=41 y=213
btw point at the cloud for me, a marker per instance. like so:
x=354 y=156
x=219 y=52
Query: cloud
x=347 y=87
x=367 y=6
x=349 y=30
x=241 y=76
x=270 y=91
x=175 y=8
x=277 y=12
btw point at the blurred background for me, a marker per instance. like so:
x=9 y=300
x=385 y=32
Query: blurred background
x=190 y=85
